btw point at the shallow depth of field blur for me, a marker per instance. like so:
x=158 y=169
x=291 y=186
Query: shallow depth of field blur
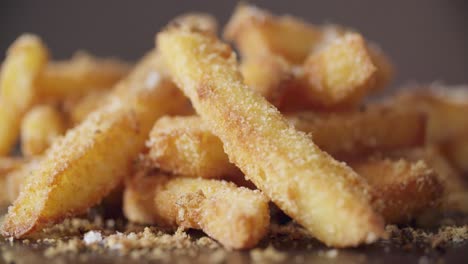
x=427 y=40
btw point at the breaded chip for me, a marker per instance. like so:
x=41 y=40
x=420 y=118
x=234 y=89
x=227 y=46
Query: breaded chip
x=92 y=158
x=15 y=179
x=341 y=73
x=7 y=164
x=362 y=132
x=25 y=59
x=235 y=216
x=39 y=128
x=257 y=32
x=79 y=109
x=401 y=189
x=445 y=107
x=79 y=75
x=198 y=21
x=282 y=162
x=184 y=146
x=269 y=75
x=455 y=188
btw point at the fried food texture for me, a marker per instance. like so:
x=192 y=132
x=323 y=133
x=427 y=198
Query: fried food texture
x=282 y=162
x=235 y=216
x=92 y=158
x=39 y=128
x=25 y=59
x=185 y=146
x=401 y=189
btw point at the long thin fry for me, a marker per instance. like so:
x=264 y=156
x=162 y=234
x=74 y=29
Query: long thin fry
x=7 y=164
x=39 y=128
x=92 y=159
x=186 y=146
x=79 y=75
x=25 y=59
x=325 y=196
x=235 y=216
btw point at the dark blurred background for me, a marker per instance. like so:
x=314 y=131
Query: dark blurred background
x=427 y=39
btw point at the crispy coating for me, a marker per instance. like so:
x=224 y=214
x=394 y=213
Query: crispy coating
x=454 y=185
x=282 y=162
x=78 y=109
x=235 y=216
x=447 y=123
x=15 y=179
x=341 y=73
x=256 y=32
x=92 y=158
x=39 y=128
x=384 y=68
x=361 y=132
x=79 y=75
x=269 y=75
x=25 y=59
x=332 y=67
x=445 y=107
x=401 y=189
x=197 y=21
x=185 y=146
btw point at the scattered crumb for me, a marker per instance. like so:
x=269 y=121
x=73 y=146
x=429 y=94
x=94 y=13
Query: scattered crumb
x=268 y=255
x=92 y=237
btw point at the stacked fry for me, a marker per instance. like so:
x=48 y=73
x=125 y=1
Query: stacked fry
x=203 y=140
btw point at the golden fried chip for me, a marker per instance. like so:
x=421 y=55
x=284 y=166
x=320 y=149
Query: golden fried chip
x=198 y=21
x=235 y=216
x=445 y=107
x=25 y=59
x=268 y=75
x=341 y=73
x=7 y=164
x=92 y=158
x=184 y=146
x=39 y=128
x=257 y=32
x=79 y=75
x=454 y=185
x=401 y=189
x=282 y=162
x=78 y=110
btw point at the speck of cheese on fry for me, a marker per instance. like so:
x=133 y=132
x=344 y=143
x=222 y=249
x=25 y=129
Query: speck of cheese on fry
x=92 y=158
x=325 y=196
x=235 y=216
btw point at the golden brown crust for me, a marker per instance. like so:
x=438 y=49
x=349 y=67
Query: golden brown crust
x=235 y=216
x=79 y=75
x=280 y=161
x=401 y=189
x=40 y=127
x=84 y=166
x=184 y=146
x=256 y=32
x=25 y=59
